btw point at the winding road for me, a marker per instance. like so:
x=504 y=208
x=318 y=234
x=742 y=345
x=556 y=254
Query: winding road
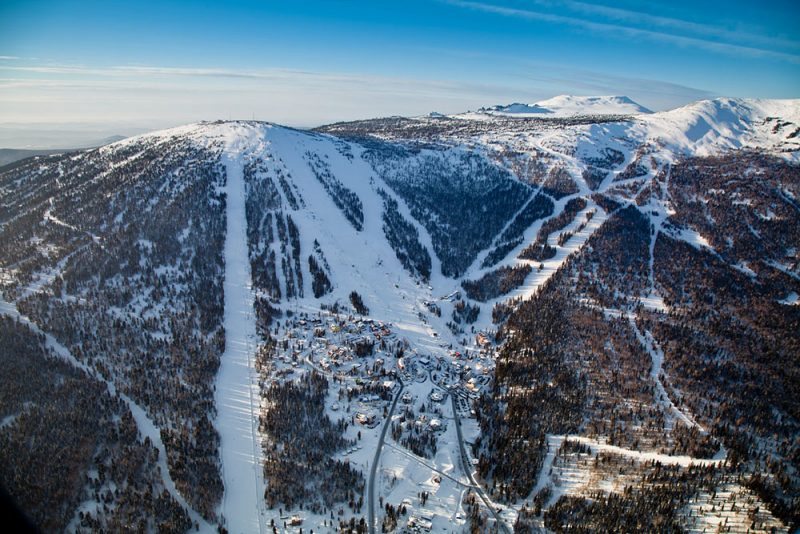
x=376 y=460
x=467 y=466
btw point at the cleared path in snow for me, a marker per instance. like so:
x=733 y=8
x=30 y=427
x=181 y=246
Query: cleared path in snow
x=376 y=461
x=657 y=358
x=237 y=395
x=145 y=425
x=664 y=459
x=467 y=466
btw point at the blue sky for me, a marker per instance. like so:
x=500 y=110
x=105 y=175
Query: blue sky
x=151 y=64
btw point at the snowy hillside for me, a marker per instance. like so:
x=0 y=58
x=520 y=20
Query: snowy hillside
x=570 y=106
x=477 y=322
x=711 y=126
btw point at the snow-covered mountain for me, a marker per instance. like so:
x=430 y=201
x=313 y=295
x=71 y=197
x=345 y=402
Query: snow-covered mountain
x=273 y=311
x=713 y=126
x=570 y=106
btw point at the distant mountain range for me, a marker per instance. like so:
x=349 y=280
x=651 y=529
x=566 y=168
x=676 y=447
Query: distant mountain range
x=570 y=106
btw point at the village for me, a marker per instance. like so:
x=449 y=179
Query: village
x=378 y=377
x=369 y=362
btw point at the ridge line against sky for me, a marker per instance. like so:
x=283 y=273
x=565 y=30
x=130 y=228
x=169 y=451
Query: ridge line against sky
x=130 y=66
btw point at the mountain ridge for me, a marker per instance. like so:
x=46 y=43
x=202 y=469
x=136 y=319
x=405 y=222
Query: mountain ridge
x=547 y=274
x=570 y=105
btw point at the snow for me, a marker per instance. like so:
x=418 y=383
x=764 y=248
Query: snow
x=694 y=238
x=566 y=477
x=573 y=475
x=658 y=215
x=9 y=420
x=703 y=128
x=237 y=392
x=553 y=444
x=744 y=268
x=792 y=299
x=784 y=268
x=654 y=302
x=538 y=276
x=657 y=358
x=363 y=261
x=708 y=127
x=145 y=425
x=48 y=216
x=570 y=106
x=715 y=512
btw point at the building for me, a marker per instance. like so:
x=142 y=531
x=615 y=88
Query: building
x=366 y=419
x=482 y=340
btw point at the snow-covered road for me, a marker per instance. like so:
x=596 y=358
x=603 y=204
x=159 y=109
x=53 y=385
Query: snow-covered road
x=237 y=395
x=376 y=461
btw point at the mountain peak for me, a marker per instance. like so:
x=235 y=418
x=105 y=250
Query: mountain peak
x=571 y=105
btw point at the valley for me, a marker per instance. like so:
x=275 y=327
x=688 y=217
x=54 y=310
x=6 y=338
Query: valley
x=484 y=322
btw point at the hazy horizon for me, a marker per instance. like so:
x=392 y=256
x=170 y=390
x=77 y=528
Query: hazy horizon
x=114 y=69
x=489 y=291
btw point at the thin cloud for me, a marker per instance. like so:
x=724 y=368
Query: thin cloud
x=162 y=96
x=181 y=71
x=638 y=18
x=606 y=84
x=135 y=80
x=51 y=69
x=570 y=79
x=364 y=82
x=135 y=74
x=628 y=31
x=8 y=58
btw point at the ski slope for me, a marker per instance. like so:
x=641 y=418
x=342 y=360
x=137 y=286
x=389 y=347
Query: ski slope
x=362 y=260
x=237 y=393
